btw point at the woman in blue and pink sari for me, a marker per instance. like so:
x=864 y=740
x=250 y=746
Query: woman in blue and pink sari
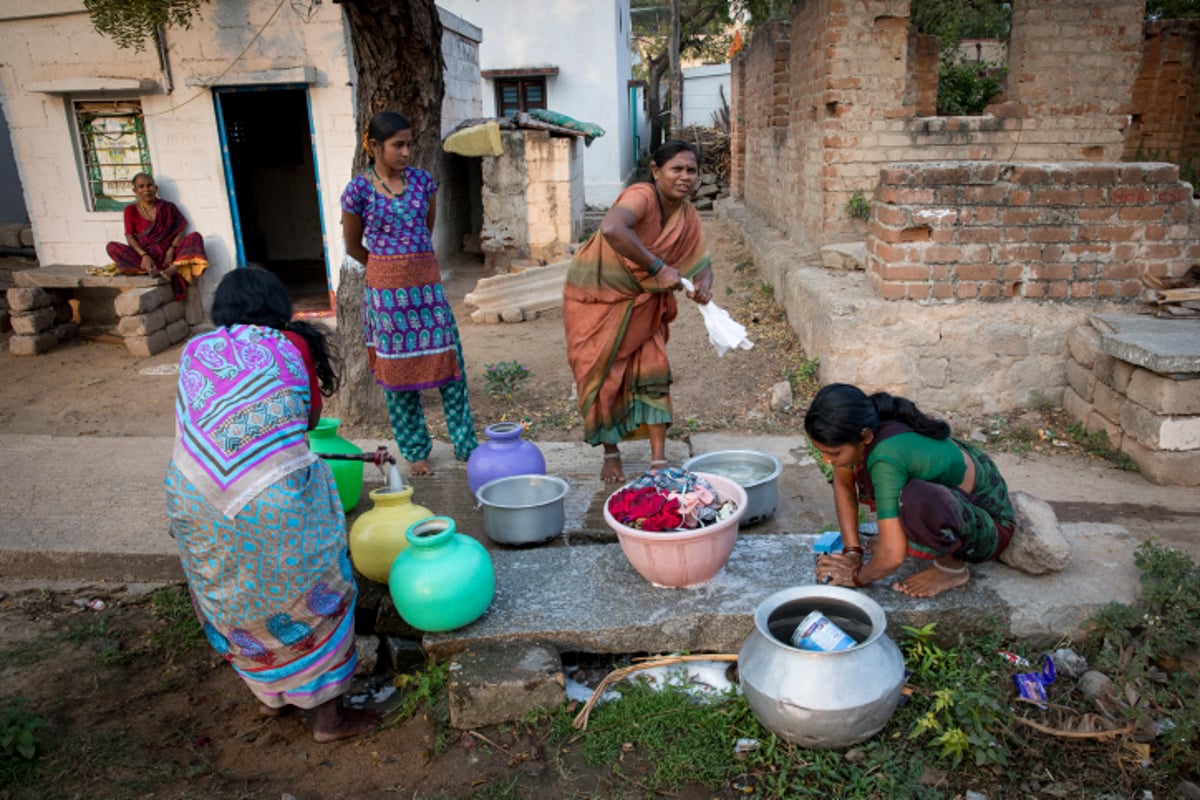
x=260 y=529
x=156 y=240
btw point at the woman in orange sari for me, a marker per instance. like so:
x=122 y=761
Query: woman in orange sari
x=618 y=304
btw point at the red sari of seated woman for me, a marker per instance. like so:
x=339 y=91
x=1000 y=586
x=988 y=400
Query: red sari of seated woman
x=155 y=227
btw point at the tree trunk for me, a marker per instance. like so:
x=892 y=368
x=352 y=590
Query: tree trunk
x=658 y=68
x=676 y=74
x=397 y=51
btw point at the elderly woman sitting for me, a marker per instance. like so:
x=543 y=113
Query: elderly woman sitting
x=156 y=240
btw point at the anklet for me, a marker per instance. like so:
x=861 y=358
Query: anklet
x=963 y=570
x=612 y=455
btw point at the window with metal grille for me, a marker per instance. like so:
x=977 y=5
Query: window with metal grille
x=112 y=140
x=519 y=94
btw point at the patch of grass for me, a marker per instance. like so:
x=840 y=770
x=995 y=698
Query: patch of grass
x=25 y=653
x=658 y=740
x=178 y=631
x=742 y=266
x=826 y=469
x=1096 y=443
x=85 y=630
x=422 y=688
x=690 y=425
x=804 y=377
x=766 y=289
x=1143 y=648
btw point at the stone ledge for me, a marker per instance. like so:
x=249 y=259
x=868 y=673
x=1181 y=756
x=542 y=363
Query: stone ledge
x=1165 y=346
x=75 y=276
x=597 y=603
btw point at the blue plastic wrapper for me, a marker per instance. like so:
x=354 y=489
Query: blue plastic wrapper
x=1032 y=685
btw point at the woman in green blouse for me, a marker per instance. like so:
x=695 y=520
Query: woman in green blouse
x=935 y=498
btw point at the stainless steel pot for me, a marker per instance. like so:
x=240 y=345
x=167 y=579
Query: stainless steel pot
x=758 y=474
x=522 y=509
x=816 y=699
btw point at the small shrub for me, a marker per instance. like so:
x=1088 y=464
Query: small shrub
x=965 y=89
x=858 y=206
x=804 y=377
x=16 y=731
x=505 y=378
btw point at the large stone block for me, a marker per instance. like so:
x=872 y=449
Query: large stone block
x=138 y=301
x=1081 y=379
x=146 y=346
x=178 y=330
x=32 y=345
x=1076 y=407
x=142 y=324
x=1084 y=343
x=27 y=298
x=1164 y=395
x=31 y=323
x=1163 y=467
x=502 y=683
x=1159 y=432
x=173 y=310
x=1108 y=401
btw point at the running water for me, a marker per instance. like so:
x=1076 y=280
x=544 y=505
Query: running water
x=395 y=480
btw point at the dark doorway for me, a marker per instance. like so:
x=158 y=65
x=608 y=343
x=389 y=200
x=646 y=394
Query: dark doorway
x=272 y=180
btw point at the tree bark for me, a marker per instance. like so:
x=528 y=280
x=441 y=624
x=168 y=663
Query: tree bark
x=676 y=73
x=397 y=50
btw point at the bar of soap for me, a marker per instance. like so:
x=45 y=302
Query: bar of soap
x=828 y=542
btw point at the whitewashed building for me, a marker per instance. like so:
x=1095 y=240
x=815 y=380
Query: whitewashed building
x=569 y=56
x=246 y=120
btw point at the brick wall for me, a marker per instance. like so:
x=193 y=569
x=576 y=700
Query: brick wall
x=924 y=60
x=759 y=112
x=994 y=231
x=857 y=90
x=1166 y=94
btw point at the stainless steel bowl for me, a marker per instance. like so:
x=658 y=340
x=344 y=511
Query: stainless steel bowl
x=758 y=474
x=522 y=509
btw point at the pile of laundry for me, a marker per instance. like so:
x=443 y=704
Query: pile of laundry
x=669 y=500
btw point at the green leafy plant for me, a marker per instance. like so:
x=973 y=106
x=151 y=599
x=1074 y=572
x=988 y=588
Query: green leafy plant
x=958 y=706
x=965 y=89
x=129 y=23
x=858 y=207
x=419 y=688
x=17 y=726
x=504 y=378
x=804 y=377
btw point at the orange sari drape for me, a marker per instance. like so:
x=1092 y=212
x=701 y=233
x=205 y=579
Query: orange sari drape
x=617 y=322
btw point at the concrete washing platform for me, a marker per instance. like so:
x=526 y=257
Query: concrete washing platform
x=91 y=509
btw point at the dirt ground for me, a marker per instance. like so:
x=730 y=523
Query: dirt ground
x=94 y=387
x=129 y=716
x=194 y=731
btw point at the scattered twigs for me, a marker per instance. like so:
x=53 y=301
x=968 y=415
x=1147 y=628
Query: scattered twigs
x=581 y=719
x=1073 y=725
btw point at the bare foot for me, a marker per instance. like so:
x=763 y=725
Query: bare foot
x=420 y=468
x=611 y=472
x=270 y=712
x=332 y=722
x=934 y=580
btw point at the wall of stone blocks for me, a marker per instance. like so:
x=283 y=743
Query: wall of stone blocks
x=958 y=231
x=1152 y=417
x=1166 y=94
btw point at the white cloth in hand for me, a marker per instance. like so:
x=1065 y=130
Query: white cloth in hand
x=724 y=331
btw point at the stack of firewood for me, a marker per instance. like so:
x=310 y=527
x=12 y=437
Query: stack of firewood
x=714 y=150
x=1174 y=297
